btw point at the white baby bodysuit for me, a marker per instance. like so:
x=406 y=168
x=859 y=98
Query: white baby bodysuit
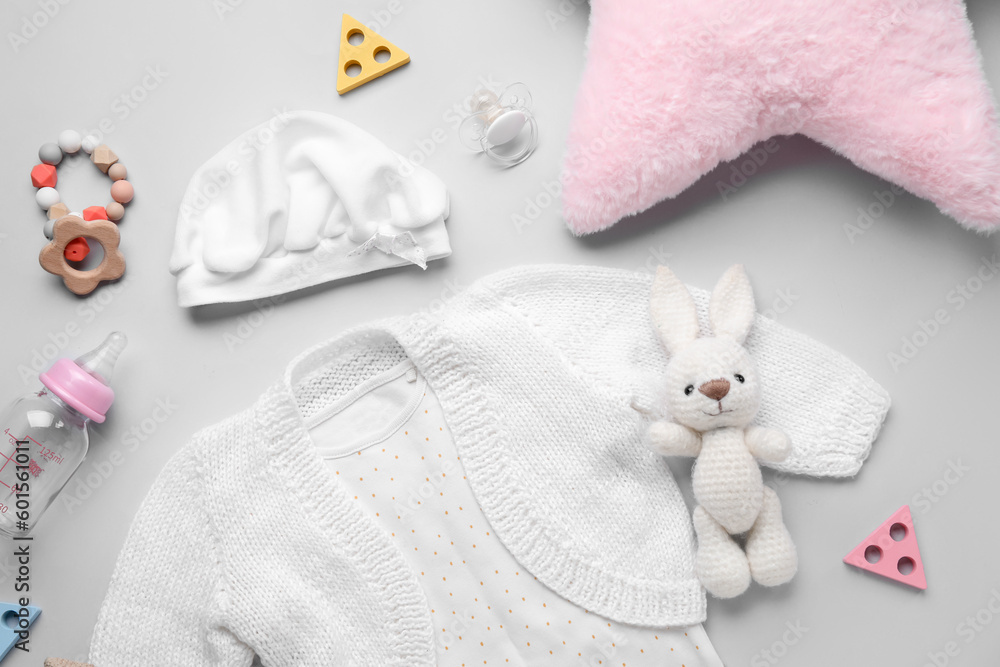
x=388 y=444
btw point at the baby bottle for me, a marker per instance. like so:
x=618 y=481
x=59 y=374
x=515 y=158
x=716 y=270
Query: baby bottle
x=46 y=433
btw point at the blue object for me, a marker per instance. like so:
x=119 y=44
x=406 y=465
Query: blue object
x=10 y=614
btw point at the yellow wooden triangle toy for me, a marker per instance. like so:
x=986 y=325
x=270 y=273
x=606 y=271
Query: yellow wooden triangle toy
x=363 y=55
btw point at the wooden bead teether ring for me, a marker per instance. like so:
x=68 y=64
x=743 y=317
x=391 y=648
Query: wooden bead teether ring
x=70 y=227
x=44 y=177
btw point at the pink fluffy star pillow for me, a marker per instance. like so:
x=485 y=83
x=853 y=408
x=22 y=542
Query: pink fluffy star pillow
x=673 y=88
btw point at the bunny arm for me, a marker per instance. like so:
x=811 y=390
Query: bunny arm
x=768 y=444
x=671 y=439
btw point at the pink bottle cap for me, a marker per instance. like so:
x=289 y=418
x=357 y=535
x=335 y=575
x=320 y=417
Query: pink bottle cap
x=83 y=384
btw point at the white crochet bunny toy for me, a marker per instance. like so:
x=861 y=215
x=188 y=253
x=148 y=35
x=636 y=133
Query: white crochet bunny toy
x=713 y=393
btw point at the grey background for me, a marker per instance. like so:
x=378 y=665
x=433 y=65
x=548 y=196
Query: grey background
x=227 y=65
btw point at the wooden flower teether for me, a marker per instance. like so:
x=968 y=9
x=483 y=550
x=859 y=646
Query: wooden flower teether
x=69 y=227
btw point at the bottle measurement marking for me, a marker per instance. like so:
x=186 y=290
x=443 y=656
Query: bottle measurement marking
x=7 y=459
x=17 y=442
x=14 y=440
x=44 y=452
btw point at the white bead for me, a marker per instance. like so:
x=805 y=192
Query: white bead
x=47 y=197
x=48 y=229
x=89 y=143
x=70 y=141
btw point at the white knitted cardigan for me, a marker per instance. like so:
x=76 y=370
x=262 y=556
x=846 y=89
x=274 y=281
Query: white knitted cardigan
x=548 y=378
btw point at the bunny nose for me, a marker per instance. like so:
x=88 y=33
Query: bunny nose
x=715 y=389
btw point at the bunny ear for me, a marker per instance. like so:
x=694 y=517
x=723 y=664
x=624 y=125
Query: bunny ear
x=674 y=313
x=732 y=308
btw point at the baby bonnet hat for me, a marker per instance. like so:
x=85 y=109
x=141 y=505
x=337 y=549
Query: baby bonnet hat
x=302 y=199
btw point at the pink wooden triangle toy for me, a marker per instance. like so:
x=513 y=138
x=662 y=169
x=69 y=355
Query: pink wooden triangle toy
x=891 y=551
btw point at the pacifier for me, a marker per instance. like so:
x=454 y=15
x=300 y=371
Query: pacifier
x=501 y=126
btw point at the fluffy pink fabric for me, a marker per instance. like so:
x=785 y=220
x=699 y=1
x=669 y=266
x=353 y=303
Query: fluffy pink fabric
x=671 y=89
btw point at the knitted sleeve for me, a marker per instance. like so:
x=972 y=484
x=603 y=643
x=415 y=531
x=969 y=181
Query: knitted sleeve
x=600 y=319
x=163 y=606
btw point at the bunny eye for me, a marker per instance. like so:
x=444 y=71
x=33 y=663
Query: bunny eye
x=740 y=378
x=688 y=389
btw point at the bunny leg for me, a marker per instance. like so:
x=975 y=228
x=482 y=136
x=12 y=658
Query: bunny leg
x=769 y=547
x=720 y=563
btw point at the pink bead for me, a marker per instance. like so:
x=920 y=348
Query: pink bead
x=122 y=191
x=115 y=211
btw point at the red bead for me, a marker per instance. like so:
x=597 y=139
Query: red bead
x=95 y=213
x=76 y=250
x=43 y=176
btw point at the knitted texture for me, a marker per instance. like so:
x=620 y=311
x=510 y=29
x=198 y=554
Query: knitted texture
x=248 y=545
x=673 y=89
x=713 y=394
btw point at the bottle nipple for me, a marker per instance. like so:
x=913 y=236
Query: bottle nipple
x=100 y=362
